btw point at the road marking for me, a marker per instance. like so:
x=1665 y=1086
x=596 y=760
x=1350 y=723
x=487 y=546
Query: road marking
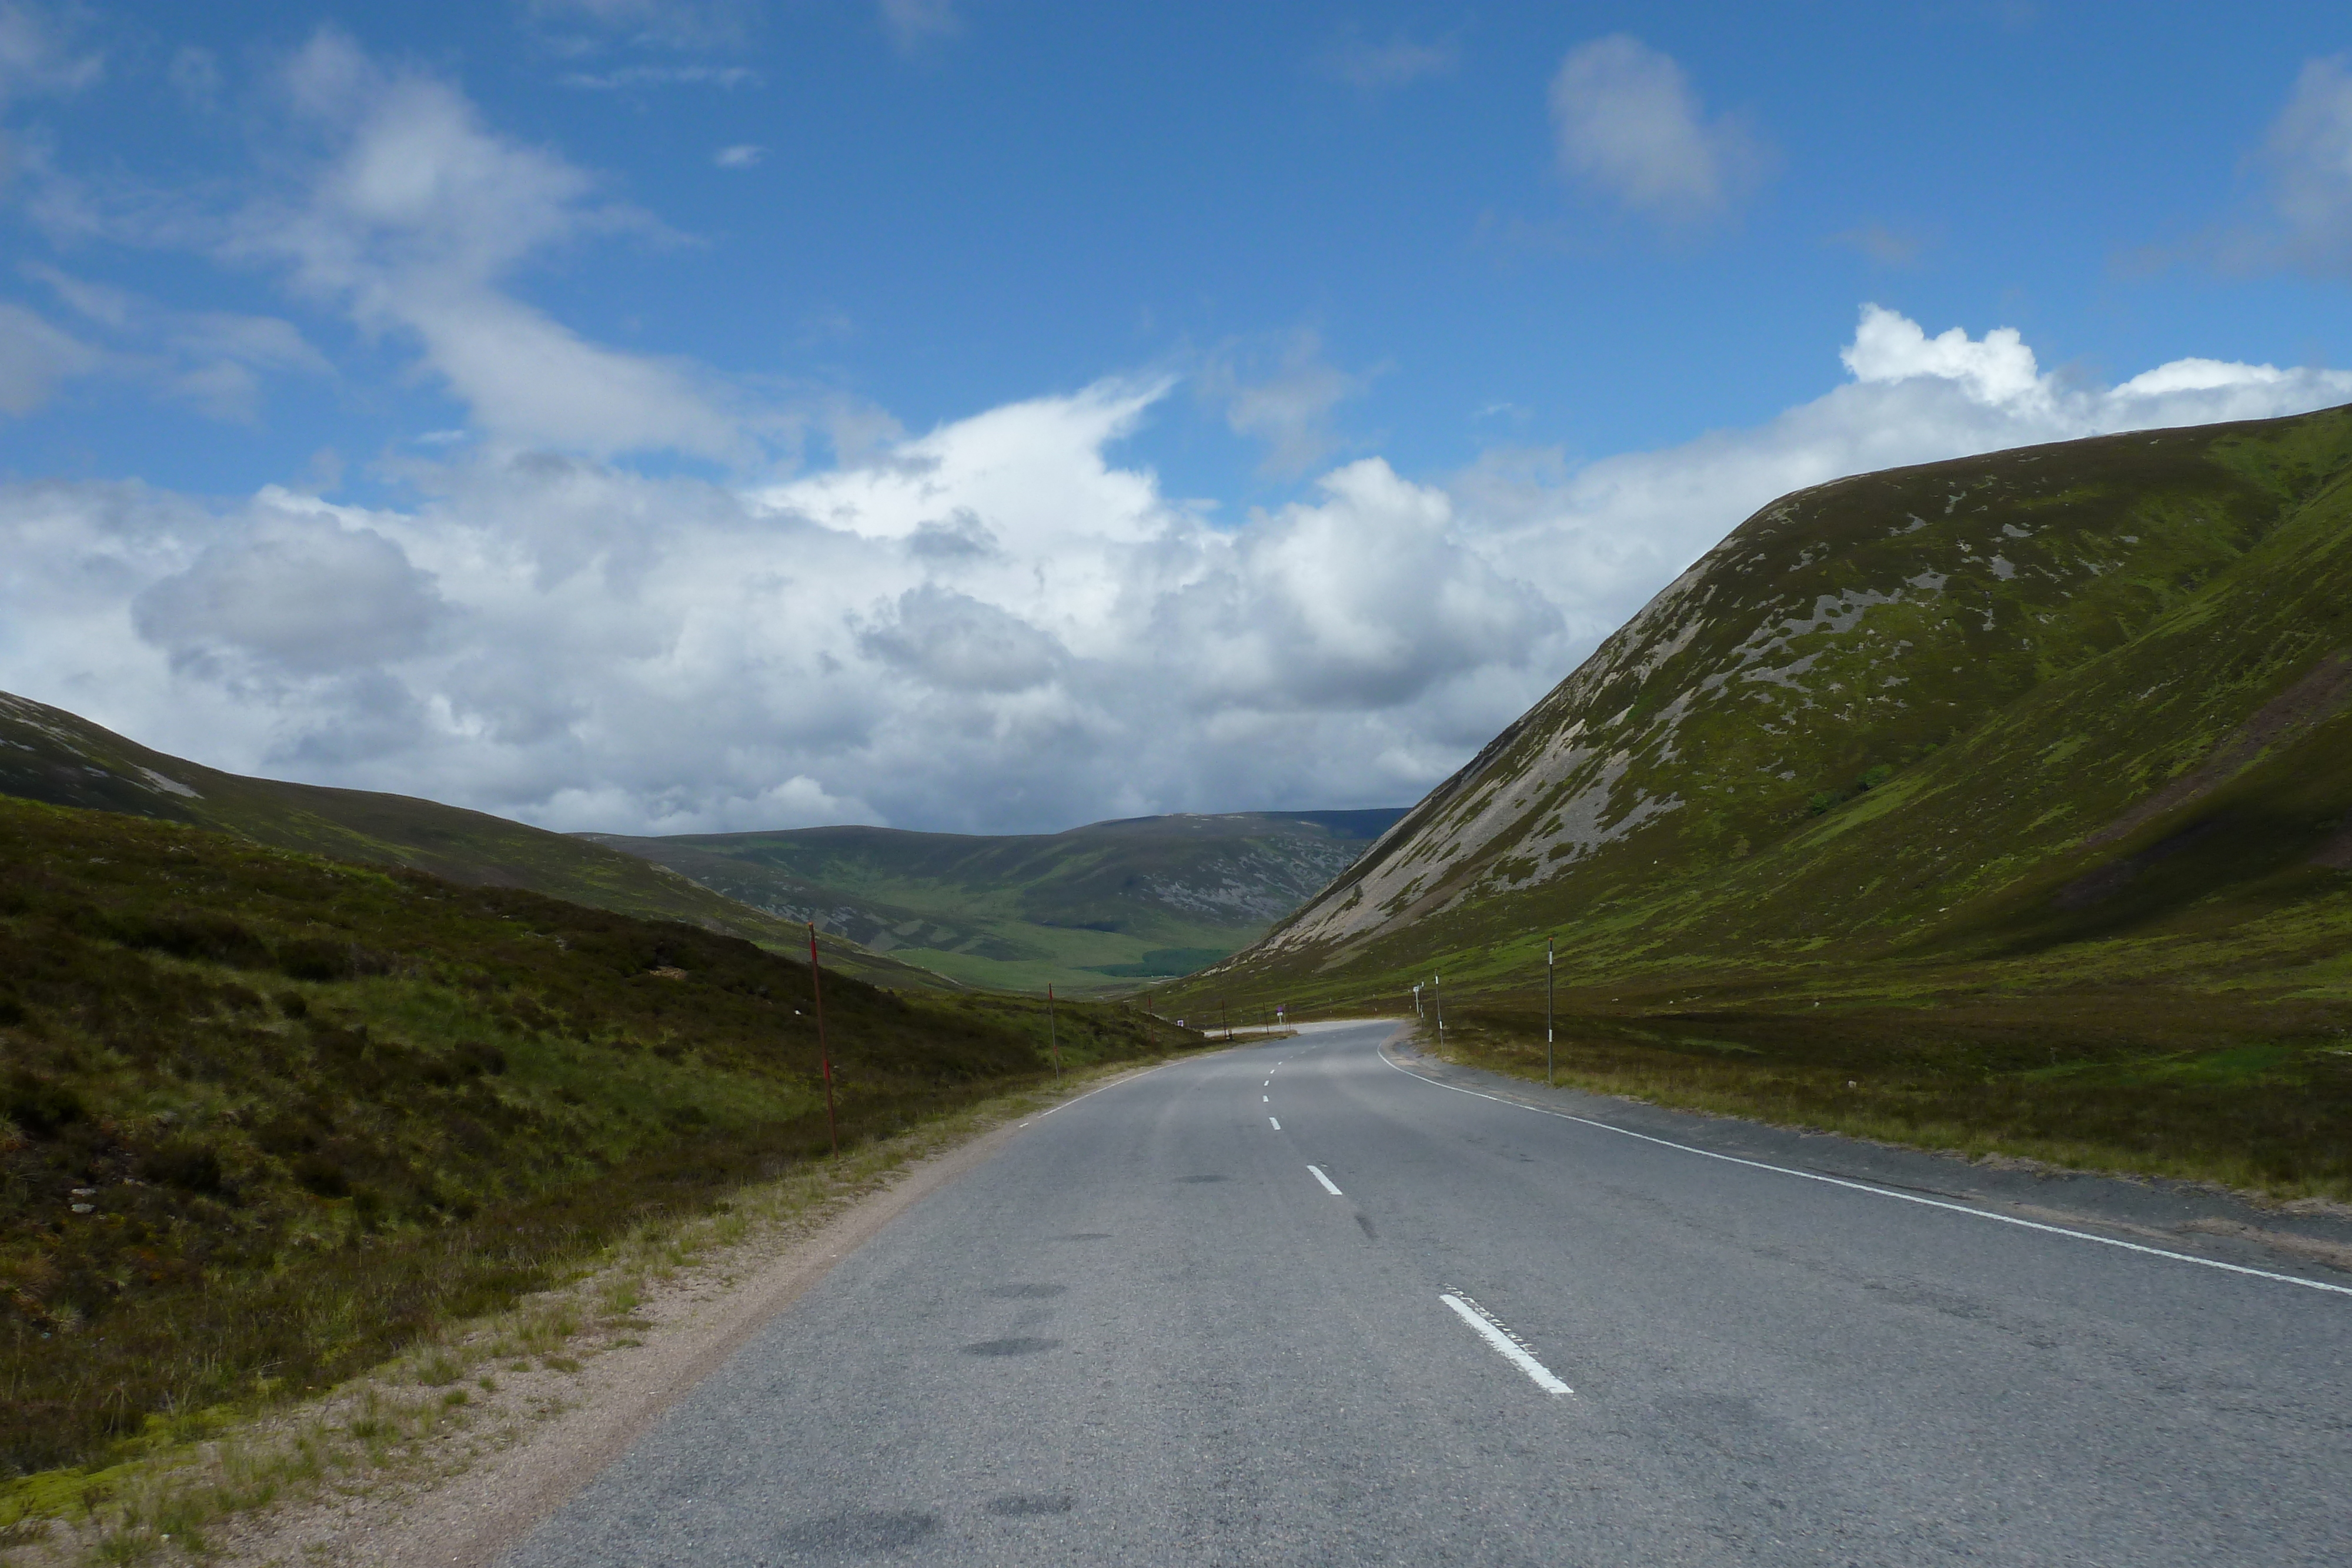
x=1327 y=1184
x=1276 y=1126
x=1267 y=1098
x=1505 y=1344
x=1092 y=1092
x=1884 y=1192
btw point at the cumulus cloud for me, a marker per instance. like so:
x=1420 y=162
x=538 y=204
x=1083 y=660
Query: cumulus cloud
x=991 y=625
x=296 y=592
x=1631 y=127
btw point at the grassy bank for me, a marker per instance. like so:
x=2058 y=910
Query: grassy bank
x=270 y=1119
x=2149 y=1078
x=463 y=1389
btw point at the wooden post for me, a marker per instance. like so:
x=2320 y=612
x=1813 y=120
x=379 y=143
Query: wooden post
x=1052 y=1036
x=816 y=994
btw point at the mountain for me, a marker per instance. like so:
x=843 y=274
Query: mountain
x=2066 y=717
x=1094 y=909
x=50 y=755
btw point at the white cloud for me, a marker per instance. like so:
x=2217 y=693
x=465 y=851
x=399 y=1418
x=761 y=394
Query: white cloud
x=625 y=77
x=36 y=54
x=742 y=155
x=1286 y=404
x=2307 y=160
x=413 y=214
x=1886 y=246
x=296 y=591
x=1377 y=68
x=994 y=624
x=34 y=356
x=1630 y=127
x=912 y=24
x=667 y=23
x=1997 y=369
x=213 y=360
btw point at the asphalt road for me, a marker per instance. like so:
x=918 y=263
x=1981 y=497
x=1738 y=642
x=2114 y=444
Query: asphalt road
x=1149 y=1332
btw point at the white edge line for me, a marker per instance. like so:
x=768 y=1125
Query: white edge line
x=1329 y=1185
x=1884 y=1192
x=1538 y=1372
x=1092 y=1092
x=1276 y=1126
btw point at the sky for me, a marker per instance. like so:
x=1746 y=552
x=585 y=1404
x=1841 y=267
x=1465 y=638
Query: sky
x=978 y=416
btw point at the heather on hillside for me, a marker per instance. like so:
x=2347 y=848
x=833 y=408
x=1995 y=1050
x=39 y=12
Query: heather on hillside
x=267 y=1116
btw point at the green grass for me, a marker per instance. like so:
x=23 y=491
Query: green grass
x=2148 y=1080
x=313 y=1111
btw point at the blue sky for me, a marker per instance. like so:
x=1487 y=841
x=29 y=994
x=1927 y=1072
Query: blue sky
x=639 y=414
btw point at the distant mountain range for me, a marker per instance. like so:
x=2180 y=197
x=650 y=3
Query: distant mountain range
x=2078 y=709
x=1097 y=909
x=50 y=755
x=1094 y=909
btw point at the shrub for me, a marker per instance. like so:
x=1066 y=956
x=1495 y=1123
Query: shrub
x=186 y=1164
x=191 y=934
x=323 y=1174
x=41 y=1107
x=476 y=1059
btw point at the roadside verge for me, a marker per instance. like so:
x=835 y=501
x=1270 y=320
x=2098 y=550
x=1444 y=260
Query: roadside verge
x=458 y=1448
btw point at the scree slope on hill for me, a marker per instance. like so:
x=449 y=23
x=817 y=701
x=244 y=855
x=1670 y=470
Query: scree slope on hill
x=1094 y=909
x=50 y=755
x=2047 y=695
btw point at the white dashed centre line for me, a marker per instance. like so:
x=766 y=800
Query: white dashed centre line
x=1508 y=1348
x=1276 y=1126
x=1329 y=1185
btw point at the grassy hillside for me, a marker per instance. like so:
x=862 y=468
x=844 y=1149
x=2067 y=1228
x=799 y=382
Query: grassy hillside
x=47 y=754
x=264 y=1116
x=2005 y=797
x=1097 y=909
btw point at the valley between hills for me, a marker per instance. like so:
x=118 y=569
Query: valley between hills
x=2000 y=805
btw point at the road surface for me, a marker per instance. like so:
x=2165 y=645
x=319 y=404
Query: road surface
x=1298 y=1303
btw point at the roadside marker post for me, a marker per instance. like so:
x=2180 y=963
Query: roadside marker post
x=1548 y=1080
x=1437 y=1000
x=1052 y=1035
x=824 y=1060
